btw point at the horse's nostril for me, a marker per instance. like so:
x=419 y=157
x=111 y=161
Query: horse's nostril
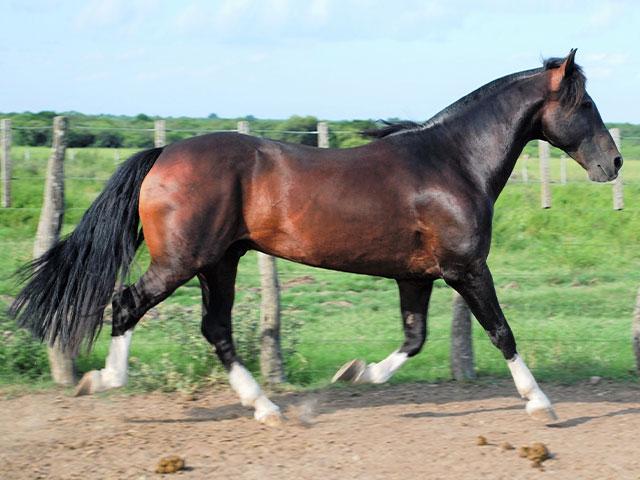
x=617 y=162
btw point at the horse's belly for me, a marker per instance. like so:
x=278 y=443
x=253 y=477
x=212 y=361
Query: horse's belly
x=386 y=254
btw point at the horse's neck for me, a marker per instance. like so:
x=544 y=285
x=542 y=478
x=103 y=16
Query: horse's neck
x=491 y=133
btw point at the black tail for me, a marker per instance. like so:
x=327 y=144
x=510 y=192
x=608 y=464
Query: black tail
x=71 y=284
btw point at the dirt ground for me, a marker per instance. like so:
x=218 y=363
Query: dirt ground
x=404 y=431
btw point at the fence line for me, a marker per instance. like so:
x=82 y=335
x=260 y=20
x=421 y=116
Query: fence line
x=322 y=131
x=461 y=337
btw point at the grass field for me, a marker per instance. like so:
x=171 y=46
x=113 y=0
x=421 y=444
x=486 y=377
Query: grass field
x=566 y=278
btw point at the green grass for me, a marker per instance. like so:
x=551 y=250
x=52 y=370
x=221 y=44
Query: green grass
x=566 y=278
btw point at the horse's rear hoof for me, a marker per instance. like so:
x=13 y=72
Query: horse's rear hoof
x=273 y=420
x=544 y=415
x=87 y=384
x=350 y=372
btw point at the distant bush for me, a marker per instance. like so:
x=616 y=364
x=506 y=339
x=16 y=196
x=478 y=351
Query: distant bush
x=32 y=138
x=80 y=139
x=299 y=124
x=109 y=139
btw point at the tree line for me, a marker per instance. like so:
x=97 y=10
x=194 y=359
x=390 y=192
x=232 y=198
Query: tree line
x=123 y=131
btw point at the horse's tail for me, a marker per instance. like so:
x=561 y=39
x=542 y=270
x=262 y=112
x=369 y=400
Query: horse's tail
x=70 y=285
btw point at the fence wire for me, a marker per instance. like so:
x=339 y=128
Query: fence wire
x=291 y=309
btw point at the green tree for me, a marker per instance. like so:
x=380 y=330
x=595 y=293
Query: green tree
x=299 y=124
x=109 y=139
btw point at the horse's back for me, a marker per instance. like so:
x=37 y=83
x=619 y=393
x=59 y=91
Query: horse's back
x=359 y=209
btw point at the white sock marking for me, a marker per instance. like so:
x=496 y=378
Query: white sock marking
x=250 y=392
x=115 y=372
x=244 y=384
x=382 y=371
x=527 y=386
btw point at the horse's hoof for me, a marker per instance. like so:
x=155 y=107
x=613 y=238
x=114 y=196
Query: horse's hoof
x=274 y=419
x=350 y=371
x=543 y=415
x=88 y=384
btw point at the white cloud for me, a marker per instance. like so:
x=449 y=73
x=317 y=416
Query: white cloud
x=100 y=13
x=192 y=16
x=600 y=72
x=605 y=14
x=109 y=13
x=608 y=58
x=319 y=11
x=276 y=13
x=604 y=64
x=277 y=21
x=231 y=11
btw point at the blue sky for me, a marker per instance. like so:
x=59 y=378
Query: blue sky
x=336 y=59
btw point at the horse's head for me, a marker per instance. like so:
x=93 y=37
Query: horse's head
x=571 y=121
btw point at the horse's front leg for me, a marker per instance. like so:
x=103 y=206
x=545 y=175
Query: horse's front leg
x=414 y=302
x=477 y=289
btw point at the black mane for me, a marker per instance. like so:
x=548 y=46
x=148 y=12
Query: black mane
x=390 y=128
x=571 y=92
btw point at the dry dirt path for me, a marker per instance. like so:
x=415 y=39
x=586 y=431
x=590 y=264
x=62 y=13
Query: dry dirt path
x=408 y=431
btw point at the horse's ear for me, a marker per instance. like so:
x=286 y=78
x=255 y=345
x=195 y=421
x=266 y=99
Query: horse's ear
x=565 y=70
x=569 y=63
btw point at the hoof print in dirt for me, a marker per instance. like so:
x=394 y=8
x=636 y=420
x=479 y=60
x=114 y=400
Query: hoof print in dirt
x=170 y=464
x=481 y=441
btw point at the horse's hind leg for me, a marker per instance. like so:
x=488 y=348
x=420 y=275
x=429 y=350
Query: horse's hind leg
x=129 y=305
x=476 y=287
x=414 y=303
x=218 y=291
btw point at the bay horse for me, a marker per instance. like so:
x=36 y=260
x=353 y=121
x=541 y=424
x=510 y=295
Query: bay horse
x=414 y=205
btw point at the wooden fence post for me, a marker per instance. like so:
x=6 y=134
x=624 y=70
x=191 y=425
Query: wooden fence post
x=271 y=367
x=62 y=363
x=160 y=133
x=243 y=127
x=545 y=187
x=563 y=169
x=525 y=173
x=270 y=353
x=462 y=364
x=618 y=194
x=635 y=332
x=5 y=158
x=323 y=135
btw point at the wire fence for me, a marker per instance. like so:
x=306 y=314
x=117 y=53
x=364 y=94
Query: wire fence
x=529 y=165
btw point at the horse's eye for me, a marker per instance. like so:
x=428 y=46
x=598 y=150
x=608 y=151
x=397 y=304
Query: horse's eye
x=587 y=104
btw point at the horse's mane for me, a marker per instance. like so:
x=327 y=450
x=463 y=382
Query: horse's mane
x=390 y=128
x=572 y=89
